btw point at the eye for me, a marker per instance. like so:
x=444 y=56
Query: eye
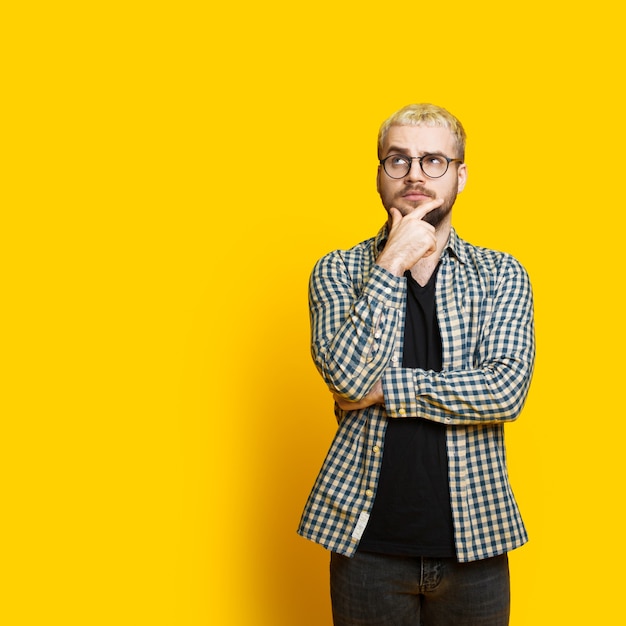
x=398 y=160
x=434 y=159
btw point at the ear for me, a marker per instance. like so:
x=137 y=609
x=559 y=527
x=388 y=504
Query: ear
x=378 y=179
x=462 y=177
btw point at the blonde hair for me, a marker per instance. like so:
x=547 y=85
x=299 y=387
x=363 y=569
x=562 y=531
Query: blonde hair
x=424 y=115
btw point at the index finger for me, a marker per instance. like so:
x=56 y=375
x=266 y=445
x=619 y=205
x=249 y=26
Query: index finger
x=421 y=211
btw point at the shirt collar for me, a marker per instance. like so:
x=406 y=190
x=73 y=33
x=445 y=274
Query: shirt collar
x=455 y=247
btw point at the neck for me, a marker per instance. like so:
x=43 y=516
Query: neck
x=442 y=234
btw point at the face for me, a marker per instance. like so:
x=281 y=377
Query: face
x=405 y=194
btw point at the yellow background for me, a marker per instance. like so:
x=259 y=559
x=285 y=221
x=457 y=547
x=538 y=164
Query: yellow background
x=170 y=175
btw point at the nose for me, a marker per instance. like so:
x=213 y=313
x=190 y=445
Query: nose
x=415 y=173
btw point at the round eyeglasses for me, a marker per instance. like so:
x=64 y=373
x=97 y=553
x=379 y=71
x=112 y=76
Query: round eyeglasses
x=433 y=165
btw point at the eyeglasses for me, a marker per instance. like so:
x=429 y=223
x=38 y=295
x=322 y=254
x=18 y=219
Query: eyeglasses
x=433 y=165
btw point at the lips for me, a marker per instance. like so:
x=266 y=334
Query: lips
x=416 y=194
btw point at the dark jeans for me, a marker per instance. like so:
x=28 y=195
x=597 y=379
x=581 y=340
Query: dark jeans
x=384 y=590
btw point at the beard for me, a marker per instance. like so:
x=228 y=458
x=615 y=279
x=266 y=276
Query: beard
x=434 y=217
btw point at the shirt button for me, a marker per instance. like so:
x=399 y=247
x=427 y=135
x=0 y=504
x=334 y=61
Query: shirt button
x=376 y=449
x=387 y=289
x=447 y=420
x=376 y=335
x=401 y=412
x=369 y=493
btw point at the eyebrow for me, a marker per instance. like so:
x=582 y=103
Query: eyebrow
x=398 y=150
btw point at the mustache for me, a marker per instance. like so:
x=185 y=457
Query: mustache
x=418 y=189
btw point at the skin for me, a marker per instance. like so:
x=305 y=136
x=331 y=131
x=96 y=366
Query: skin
x=419 y=213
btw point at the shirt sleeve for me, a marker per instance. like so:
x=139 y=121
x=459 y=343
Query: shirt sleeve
x=353 y=322
x=495 y=386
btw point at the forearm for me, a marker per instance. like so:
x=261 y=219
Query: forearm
x=494 y=393
x=353 y=326
x=486 y=376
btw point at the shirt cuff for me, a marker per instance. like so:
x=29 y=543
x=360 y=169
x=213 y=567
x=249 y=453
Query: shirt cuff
x=386 y=287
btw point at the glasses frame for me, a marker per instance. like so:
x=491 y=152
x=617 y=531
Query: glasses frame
x=419 y=160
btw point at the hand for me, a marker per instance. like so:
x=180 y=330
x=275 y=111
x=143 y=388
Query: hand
x=375 y=396
x=410 y=239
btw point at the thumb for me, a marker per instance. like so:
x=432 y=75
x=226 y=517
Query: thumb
x=395 y=217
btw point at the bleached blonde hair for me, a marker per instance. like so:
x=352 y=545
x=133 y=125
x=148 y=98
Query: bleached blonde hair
x=424 y=114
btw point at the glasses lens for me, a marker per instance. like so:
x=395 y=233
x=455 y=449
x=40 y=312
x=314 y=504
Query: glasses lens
x=397 y=166
x=434 y=165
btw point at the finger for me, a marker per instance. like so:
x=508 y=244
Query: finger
x=338 y=399
x=395 y=216
x=346 y=405
x=423 y=210
x=433 y=246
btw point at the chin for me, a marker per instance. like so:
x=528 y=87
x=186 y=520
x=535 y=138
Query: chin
x=437 y=216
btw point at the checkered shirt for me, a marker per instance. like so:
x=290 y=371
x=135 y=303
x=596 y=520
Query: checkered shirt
x=485 y=313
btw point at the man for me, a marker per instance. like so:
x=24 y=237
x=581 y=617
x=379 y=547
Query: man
x=427 y=344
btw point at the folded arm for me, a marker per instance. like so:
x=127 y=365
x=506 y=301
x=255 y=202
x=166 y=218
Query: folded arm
x=494 y=385
x=356 y=326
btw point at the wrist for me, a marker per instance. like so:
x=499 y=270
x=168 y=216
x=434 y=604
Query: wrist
x=394 y=266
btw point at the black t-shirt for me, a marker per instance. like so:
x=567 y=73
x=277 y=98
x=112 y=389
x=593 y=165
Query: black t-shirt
x=412 y=514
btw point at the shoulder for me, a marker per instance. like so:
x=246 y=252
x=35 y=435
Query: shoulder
x=487 y=260
x=356 y=258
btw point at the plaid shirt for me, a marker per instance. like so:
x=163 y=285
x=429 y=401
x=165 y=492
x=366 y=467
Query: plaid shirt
x=485 y=314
